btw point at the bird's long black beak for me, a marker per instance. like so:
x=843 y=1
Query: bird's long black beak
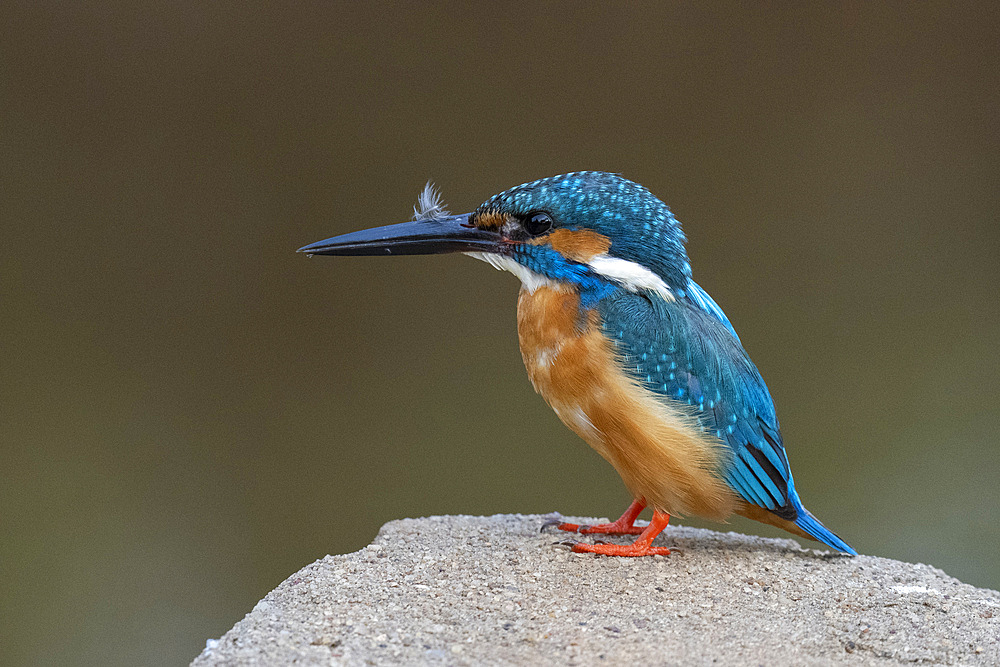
x=453 y=233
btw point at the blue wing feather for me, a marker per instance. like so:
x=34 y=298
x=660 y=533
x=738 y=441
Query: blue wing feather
x=701 y=299
x=687 y=351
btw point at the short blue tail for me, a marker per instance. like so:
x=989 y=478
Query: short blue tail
x=812 y=526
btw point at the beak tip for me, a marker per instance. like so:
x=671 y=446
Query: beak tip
x=311 y=250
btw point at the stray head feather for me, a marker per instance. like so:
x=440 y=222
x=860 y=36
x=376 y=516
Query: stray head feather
x=429 y=205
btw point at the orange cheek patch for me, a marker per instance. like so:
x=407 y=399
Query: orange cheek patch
x=579 y=245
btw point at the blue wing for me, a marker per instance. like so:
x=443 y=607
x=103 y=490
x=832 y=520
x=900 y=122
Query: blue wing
x=702 y=300
x=687 y=350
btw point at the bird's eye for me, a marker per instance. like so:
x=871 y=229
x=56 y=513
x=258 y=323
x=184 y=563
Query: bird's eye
x=537 y=223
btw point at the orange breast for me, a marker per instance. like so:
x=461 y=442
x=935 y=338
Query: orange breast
x=655 y=445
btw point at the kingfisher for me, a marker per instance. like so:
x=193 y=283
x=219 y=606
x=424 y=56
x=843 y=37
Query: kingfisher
x=628 y=350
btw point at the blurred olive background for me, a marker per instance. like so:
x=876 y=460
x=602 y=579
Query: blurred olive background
x=190 y=411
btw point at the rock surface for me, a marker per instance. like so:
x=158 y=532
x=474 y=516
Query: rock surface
x=461 y=590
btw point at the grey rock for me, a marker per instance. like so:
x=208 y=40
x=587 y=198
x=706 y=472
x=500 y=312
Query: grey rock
x=462 y=590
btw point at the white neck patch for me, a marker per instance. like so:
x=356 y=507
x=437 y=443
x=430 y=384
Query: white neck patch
x=529 y=279
x=633 y=277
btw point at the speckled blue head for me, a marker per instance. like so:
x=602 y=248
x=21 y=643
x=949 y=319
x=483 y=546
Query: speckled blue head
x=640 y=227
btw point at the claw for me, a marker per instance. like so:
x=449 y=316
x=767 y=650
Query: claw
x=549 y=524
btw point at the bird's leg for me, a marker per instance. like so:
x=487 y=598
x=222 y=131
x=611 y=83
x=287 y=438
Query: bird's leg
x=641 y=546
x=624 y=525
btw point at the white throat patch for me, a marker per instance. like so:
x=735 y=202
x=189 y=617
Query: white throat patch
x=529 y=279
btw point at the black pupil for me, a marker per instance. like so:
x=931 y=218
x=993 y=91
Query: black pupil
x=538 y=223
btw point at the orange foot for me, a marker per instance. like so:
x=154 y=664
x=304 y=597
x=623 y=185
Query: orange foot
x=641 y=547
x=624 y=525
x=631 y=550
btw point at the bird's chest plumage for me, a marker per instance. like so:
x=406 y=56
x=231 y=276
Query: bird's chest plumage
x=657 y=448
x=558 y=342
